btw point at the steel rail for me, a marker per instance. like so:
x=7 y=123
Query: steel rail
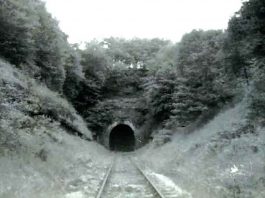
x=154 y=186
x=106 y=177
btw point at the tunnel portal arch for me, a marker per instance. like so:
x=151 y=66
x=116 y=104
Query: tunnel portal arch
x=122 y=138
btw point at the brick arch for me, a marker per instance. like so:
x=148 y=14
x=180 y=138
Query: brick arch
x=115 y=125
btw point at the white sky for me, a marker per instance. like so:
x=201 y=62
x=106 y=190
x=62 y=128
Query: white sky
x=84 y=20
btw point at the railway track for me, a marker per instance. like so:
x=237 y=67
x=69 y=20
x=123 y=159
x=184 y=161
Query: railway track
x=125 y=178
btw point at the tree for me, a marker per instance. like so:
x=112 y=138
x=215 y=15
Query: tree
x=246 y=37
x=159 y=93
x=165 y=59
x=245 y=48
x=31 y=39
x=133 y=53
x=51 y=50
x=74 y=75
x=16 y=27
x=95 y=61
x=186 y=106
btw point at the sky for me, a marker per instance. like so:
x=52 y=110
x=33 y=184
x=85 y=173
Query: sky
x=84 y=20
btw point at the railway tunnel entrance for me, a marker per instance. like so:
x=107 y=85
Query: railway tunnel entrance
x=122 y=138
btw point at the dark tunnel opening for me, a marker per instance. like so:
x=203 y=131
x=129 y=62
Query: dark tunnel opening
x=122 y=138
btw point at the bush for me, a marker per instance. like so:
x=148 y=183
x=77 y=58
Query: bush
x=26 y=96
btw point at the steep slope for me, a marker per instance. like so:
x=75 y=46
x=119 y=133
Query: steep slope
x=39 y=152
x=24 y=96
x=225 y=158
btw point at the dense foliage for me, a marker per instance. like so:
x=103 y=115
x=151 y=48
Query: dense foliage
x=31 y=39
x=246 y=48
x=171 y=85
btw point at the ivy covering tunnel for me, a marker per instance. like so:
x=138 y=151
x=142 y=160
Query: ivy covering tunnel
x=122 y=138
